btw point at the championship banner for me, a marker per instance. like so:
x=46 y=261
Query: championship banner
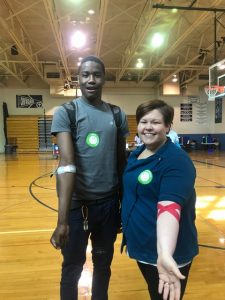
x=186 y=112
x=29 y=101
x=218 y=110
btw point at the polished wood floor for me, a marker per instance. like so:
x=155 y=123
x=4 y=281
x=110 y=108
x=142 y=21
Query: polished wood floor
x=30 y=267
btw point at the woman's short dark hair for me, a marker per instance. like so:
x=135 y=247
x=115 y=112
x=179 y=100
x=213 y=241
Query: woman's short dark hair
x=166 y=110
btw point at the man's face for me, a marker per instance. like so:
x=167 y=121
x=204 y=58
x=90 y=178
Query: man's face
x=91 y=79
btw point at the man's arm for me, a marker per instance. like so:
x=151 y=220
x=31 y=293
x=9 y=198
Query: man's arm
x=64 y=186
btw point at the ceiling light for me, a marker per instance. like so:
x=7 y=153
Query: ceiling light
x=139 y=63
x=91 y=12
x=78 y=39
x=221 y=66
x=174 y=79
x=157 y=40
x=77 y=1
x=174 y=10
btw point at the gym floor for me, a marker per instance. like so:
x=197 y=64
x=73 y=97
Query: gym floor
x=30 y=267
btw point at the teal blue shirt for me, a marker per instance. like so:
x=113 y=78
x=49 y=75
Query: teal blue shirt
x=169 y=174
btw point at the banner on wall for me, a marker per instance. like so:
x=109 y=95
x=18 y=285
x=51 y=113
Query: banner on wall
x=218 y=110
x=29 y=101
x=186 y=112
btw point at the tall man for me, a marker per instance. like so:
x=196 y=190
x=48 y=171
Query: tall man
x=92 y=157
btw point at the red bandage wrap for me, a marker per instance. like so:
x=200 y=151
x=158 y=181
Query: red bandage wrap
x=173 y=209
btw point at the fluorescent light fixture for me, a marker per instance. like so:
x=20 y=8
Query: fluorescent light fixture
x=76 y=1
x=139 y=63
x=221 y=66
x=174 y=79
x=91 y=12
x=157 y=40
x=78 y=39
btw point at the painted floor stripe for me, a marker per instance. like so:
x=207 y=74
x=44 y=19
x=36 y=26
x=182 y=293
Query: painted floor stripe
x=26 y=231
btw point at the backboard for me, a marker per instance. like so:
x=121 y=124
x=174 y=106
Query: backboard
x=216 y=86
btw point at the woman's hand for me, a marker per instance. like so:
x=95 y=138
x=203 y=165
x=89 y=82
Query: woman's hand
x=169 y=277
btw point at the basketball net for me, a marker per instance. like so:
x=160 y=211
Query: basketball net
x=213 y=90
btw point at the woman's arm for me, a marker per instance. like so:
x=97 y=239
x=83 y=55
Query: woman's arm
x=167 y=233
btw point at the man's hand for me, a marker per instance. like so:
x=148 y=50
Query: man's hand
x=169 y=277
x=60 y=236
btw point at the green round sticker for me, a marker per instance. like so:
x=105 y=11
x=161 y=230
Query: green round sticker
x=145 y=177
x=92 y=139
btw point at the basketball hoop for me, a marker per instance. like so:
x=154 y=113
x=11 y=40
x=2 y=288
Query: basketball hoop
x=211 y=92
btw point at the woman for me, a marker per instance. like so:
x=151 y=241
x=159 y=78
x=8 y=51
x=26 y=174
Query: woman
x=158 y=207
x=137 y=140
x=174 y=137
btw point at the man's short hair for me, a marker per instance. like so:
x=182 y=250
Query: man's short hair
x=92 y=58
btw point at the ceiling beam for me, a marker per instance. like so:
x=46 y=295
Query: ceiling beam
x=21 y=38
x=101 y=25
x=193 y=2
x=55 y=26
x=24 y=46
x=207 y=9
x=140 y=32
x=11 y=72
x=183 y=68
x=180 y=40
x=188 y=63
x=11 y=69
x=124 y=12
x=175 y=45
x=22 y=10
x=9 y=5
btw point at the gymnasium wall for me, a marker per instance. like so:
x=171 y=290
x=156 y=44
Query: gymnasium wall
x=128 y=99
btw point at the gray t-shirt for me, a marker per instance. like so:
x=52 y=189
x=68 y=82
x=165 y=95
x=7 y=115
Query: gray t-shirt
x=95 y=148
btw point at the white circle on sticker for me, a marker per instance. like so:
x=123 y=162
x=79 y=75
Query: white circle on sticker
x=145 y=177
x=92 y=139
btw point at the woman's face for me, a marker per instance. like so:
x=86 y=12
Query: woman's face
x=152 y=129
